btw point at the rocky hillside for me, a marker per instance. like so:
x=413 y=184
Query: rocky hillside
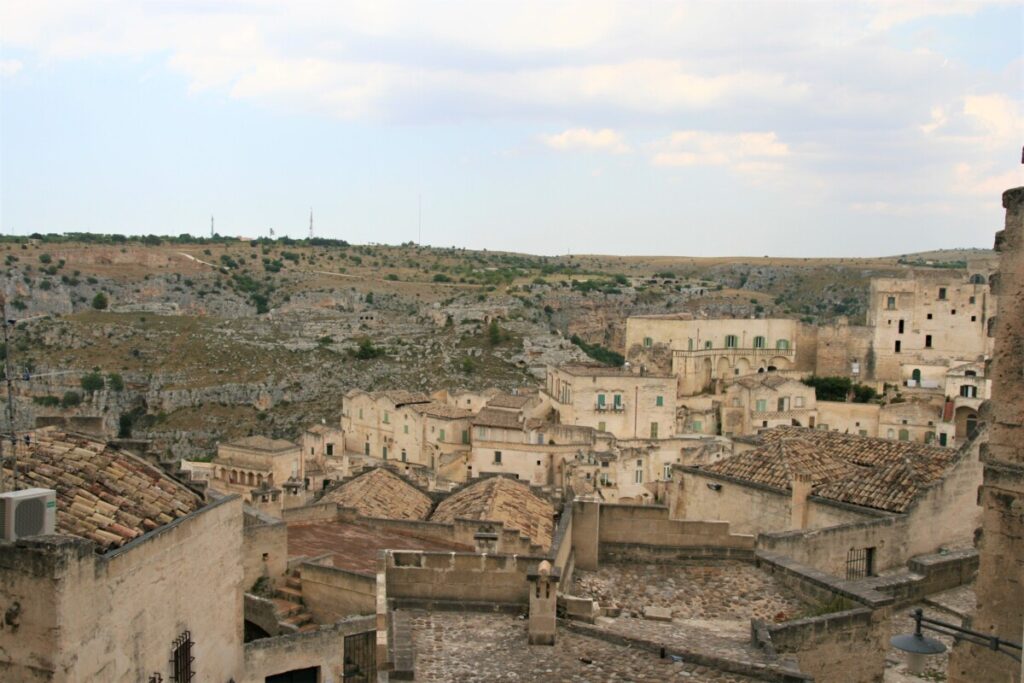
x=193 y=341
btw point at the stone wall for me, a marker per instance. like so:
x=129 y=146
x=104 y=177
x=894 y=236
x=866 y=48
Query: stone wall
x=324 y=648
x=417 y=578
x=842 y=647
x=331 y=593
x=1000 y=578
x=826 y=548
x=114 y=617
x=264 y=548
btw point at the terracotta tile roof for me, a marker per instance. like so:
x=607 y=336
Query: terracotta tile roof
x=262 y=443
x=500 y=499
x=776 y=463
x=508 y=401
x=768 y=379
x=493 y=417
x=442 y=410
x=381 y=493
x=106 y=495
x=355 y=546
x=401 y=398
x=860 y=470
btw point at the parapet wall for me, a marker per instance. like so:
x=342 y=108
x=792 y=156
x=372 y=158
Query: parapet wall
x=331 y=593
x=470 y=581
x=826 y=548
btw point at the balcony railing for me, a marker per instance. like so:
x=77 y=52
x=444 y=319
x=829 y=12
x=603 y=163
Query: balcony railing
x=609 y=408
x=748 y=351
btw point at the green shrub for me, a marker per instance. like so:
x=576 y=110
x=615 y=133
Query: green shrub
x=92 y=382
x=71 y=399
x=100 y=302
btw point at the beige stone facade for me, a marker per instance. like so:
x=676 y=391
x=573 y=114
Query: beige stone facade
x=256 y=462
x=767 y=400
x=627 y=403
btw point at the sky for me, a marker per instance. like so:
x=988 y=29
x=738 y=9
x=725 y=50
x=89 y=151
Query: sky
x=638 y=128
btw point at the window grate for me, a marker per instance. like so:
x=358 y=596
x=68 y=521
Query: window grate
x=860 y=563
x=181 y=659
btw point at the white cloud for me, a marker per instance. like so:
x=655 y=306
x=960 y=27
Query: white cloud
x=9 y=67
x=748 y=152
x=605 y=140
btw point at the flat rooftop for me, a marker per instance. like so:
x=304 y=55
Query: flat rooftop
x=455 y=647
x=355 y=546
x=711 y=603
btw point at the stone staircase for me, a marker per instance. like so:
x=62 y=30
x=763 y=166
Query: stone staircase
x=292 y=615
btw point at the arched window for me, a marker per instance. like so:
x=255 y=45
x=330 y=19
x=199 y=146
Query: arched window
x=904 y=435
x=782 y=345
x=759 y=342
x=916 y=375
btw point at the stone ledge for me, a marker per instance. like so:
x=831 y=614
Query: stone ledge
x=763 y=672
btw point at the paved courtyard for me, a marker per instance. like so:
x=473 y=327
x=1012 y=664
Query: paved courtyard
x=460 y=647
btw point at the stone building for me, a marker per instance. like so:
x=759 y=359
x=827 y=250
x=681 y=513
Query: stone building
x=142 y=581
x=1000 y=610
x=256 y=462
x=404 y=426
x=927 y=320
x=810 y=479
x=626 y=402
x=702 y=352
x=766 y=400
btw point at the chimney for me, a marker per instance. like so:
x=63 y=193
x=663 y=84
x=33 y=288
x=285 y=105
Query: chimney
x=801 y=486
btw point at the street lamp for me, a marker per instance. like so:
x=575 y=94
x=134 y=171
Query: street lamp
x=918 y=646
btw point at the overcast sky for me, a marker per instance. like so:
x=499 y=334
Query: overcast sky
x=707 y=128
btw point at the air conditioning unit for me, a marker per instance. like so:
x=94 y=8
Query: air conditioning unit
x=31 y=512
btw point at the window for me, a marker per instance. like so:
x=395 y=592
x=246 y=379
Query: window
x=360 y=413
x=731 y=341
x=759 y=342
x=942 y=293
x=890 y=434
x=953 y=312
x=798 y=402
x=863 y=432
x=441 y=436
x=601 y=427
x=181 y=659
x=540 y=438
x=405 y=428
x=971 y=300
x=927 y=341
x=465 y=436
x=898 y=345
x=943 y=439
x=384 y=450
x=603 y=478
x=638 y=477
x=600 y=401
x=689 y=344
x=617 y=403
x=404 y=457
x=386 y=417
x=967 y=391
x=648 y=341
x=659 y=401
x=698 y=426
x=497 y=457
x=667 y=472
x=890 y=303
x=900 y=331
x=654 y=430
x=330 y=449
x=761 y=405
x=974 y=318
x=929 y=316
x=707 y=344
x=860 y=563
x=904 y=435
x=782 y=404
x=782 y=345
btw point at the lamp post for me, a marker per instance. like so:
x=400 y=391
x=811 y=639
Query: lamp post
x=918 y=646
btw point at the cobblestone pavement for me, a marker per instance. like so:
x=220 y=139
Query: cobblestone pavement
x=718 y=590
x=724 y=639
x=459 y=647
